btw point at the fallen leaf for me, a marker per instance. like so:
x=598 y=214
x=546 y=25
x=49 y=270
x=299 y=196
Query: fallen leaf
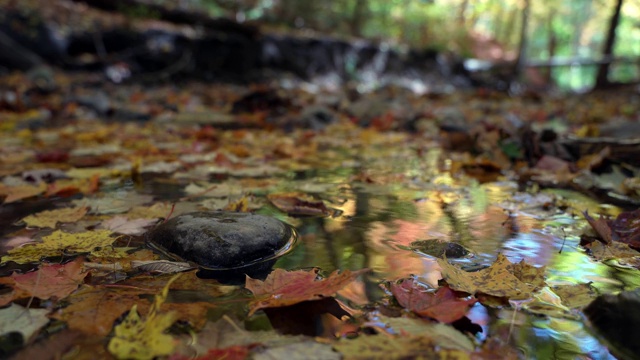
x=228 y=353
x=242 y=205
x=16 y=318
x=59 y=242
x=441 y=335
x=49 y=281
x=395 y=347
x=15 y=193
x=298 y=351
x=614 y=250
x=52 y=347
x=296 y=203
x=442 y=305
x=136 y=338
x=113 y=203
x=50 y=218
x=498 y=280
x=601 y=227
x=576 y=296
x=284 y=288
x=122 y=225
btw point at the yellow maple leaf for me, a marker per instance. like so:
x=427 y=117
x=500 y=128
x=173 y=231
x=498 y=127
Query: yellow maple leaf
x=135 y=338
x=59 y=242
x=50 y=218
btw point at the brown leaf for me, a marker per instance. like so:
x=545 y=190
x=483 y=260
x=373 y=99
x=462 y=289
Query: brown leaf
x=296 y=203
x=442 y=305
x=601 y=227
x=284 y=288
x=498 y=280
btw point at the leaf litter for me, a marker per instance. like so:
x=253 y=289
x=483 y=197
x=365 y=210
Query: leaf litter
x=119 y=179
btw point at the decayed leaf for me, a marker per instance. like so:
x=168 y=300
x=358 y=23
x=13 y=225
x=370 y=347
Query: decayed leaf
x=228 y=353
x=23 y=320
x=49 y=281
x=155 y=211
x=296 y=203
x=576 y=296
x=284 y=288
x=50 y=218
x=442 y=335
x=135 y=338
x=501 y=279
x=113 y=203
x=15 y=193
x=241 y=205
x=443 y=305
x=298 y=351
x=59 y=242
x=122 y=225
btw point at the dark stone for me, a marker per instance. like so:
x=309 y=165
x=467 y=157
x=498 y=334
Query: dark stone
x=440 y=248
x=616 y=318
x=224 y=245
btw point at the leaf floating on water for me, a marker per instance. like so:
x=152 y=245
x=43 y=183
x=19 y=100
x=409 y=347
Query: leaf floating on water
x=161 y=266
x=49 y=281
x=502 y=279
x=296 y=203
x=122 y=225
x=60 y=242
x=50 y=218
x=136 y=338
x=284 y=288
x=576 y=296
x=442 y=305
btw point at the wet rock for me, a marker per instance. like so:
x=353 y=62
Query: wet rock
x=225 y=245
x=440 y=248
x=616 y=318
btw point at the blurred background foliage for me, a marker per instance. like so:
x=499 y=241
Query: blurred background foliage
x=571 y=32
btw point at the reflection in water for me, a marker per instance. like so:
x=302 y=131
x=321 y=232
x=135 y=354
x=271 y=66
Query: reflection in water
x=379 y=222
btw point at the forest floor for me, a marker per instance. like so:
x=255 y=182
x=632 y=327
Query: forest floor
x=439 y=225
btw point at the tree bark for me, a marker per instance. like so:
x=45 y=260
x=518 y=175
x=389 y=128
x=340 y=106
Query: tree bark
x=602 y=79
x=358 y=17
x=522 y=46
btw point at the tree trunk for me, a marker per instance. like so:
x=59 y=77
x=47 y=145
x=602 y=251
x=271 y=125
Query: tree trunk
x=522 y=45
x=552 y=43
x=603 y=70
x=359 y=16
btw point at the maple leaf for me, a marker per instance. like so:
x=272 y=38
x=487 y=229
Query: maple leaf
x=138 y=339
x=59 y=242
x=122 y=225
x=50 y=218
x=396 y=347
x=284 y=288
x=15 y=193
x=500 y=279
x=49 y=281
x=443 y=305
x=241 y=205
x=296 y=203
x=602 y=228
x=22 y=320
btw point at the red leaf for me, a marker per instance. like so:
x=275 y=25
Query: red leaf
x=52 y=280
x=627 y=227
x=443 y=305
x=602 y=228
x=284 y=288
x=229 y=353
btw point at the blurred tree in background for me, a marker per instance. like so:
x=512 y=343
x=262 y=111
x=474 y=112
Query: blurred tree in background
x=572 y=34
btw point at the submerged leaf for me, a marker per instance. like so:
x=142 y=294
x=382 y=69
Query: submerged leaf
x=136 y=338
x=50 y=218
x=25 y=321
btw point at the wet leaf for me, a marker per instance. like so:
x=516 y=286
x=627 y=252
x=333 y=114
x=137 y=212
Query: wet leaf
x=501 y=279
x=614 y=250
x=161 y=266
x=122 y=225
x=59 y=242
x=442 y=335
x=396 y=347
x=16 y=318
x=296 y=203
x=50 y=218
x=113 y=203
x=442 y=305
x=602 y=228
x=16 y=193
x=137 y=338
x=228 y=353
x=299 y=351
x=284 y=288
x=576 y=296
x=49 y=281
